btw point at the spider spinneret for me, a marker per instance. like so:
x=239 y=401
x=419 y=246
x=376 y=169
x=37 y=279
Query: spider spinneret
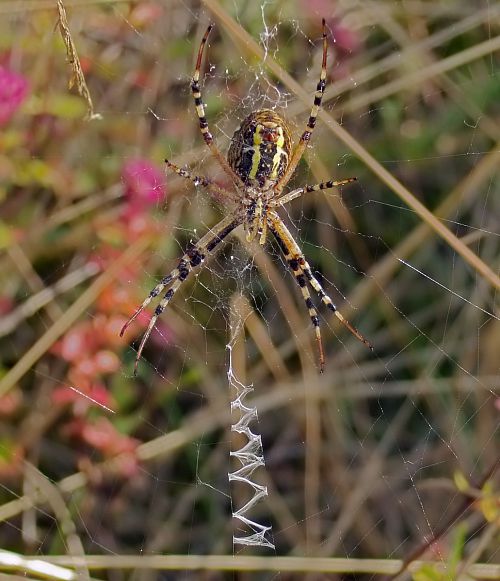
x=260 y=162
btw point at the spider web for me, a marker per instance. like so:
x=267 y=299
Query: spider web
x=369 y=459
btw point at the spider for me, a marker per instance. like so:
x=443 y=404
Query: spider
x=260 y=162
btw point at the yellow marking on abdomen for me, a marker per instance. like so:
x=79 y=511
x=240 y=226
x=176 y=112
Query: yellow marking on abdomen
x=277 y=156
x=257 y=140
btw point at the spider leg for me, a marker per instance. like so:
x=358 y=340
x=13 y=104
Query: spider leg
x=255 y=226
x=200 y=111
x=292 y=252
x=292 y=257
x=280 y=201
x=158 y=311
x=217 y=191
x=311 y=123
x=326 y=300
x=190 y=260
x=166 y=280
x=263 y=231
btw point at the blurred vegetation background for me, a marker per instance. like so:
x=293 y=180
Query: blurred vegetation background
x=385 y=451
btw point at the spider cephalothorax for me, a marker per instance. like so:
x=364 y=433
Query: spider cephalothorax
x=260 y=163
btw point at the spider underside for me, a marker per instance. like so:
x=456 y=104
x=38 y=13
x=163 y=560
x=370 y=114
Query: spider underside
x=260 y=162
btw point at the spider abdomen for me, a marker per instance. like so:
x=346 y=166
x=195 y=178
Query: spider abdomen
x=260 y=148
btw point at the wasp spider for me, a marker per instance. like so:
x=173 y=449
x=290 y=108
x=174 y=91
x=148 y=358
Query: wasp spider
x=260 y=162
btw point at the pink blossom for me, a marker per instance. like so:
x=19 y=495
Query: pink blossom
x=347 y=40
x=74 y=344
x=86 y=366
x=6 y=304
x=106 y=361
x=82 y=397
x=144 y=182
x=10 y=403
x=145 y=14
x=126 y=464
x=344 y=38
x=13 y=90
x=103 y=436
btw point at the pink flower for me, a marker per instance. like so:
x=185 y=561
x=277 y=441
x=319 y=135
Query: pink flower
x=144 y=182
x=83 y=397
x=13 y=90
x=10 y=403
x=106 y=361
x=73 y=345
x=346 y=40
x=103 y=436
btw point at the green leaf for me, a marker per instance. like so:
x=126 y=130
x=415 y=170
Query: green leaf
x=428 y=572
x=461 y=481
x=457 y=547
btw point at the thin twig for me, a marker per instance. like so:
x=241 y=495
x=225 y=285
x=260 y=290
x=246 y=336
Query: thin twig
x=77 y=76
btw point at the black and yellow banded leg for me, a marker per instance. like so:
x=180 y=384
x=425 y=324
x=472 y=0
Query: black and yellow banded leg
x=165 y=281
x=288 y=243
x=293 y=262
x=311 y=122
x=254 y=226
x=306 y=189
x=302 y=282
x=329 y=303
x=158 y=311
x=258 y=225
x=263 y=230
x=200 y=111
x=190 y=260
x=218 y=192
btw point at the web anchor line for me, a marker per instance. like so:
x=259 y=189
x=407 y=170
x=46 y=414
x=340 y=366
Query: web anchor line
x=251 y=457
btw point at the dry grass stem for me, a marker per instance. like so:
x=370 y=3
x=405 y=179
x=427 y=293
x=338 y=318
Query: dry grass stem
x=77 y=76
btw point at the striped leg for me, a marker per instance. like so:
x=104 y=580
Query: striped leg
x=166 y=280
x=184 y=269
x=190 y=260
x=328 y=302
x=258 y=226
x=306 y=189
x=263 y=231
x=311 y=123
x=292 y=249
x=256 y=219
x=218 y=192
x=276 y=227
x=200 y=111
